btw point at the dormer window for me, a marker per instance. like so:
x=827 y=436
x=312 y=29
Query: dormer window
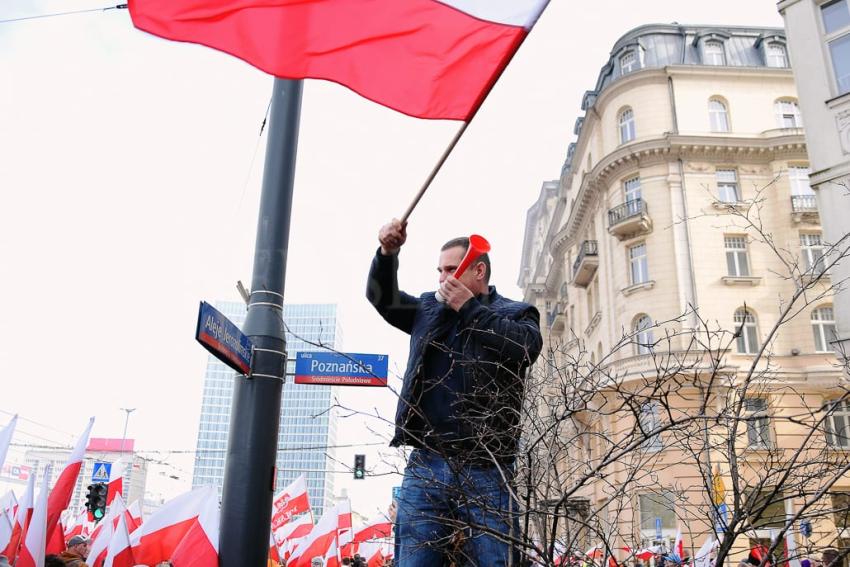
x=776 y=55
x=629 y=62
x=713 y=53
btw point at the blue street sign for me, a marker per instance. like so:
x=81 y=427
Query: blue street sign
x=223 y=339
x=806 y=527
x=396 y=492
x=341 y=369
x=657 y=528
x=100 y=472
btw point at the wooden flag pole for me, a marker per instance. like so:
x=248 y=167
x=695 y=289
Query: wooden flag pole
x=462 y=129
x=434 y=172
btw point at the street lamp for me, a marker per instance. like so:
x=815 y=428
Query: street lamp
x=126 y=420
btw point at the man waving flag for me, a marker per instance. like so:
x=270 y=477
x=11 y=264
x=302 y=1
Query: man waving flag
x=425 y=58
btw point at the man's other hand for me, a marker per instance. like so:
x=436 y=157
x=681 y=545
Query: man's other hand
x=392 y=237
x=455 y=293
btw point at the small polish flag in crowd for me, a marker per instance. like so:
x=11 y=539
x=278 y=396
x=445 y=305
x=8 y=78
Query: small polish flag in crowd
x=317 y=542
x=116 y=481
x=290 y=502
x=120 y=553
x=344 y=528
x=22 y=518
x=35 y=540
x=60 y=496
x=6 y=439
x=160 y=535
x=135 y=512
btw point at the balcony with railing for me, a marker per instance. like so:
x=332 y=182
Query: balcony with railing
x=804 y=208
x=556 y=317
x=629 y=219
x=586 y=264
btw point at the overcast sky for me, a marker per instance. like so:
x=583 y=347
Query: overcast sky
x=130 y=187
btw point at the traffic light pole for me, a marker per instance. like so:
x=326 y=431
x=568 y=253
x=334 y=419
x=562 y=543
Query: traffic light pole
x=249 y=471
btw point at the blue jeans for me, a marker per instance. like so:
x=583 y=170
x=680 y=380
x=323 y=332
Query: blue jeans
x=449 y=511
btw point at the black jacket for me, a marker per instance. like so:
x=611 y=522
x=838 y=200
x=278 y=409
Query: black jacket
x=500 y=338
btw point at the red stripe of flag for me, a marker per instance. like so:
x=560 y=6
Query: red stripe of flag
x=425 y=58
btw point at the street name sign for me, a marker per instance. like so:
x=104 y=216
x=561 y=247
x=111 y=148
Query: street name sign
x=101 y=471
x=223 y=339
x=341 y=369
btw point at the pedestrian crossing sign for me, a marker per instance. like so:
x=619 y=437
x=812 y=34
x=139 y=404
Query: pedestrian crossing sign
x=100 y=472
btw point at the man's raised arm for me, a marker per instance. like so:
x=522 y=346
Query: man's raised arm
x=396 y=307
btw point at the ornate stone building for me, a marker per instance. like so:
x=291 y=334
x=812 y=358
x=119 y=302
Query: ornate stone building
x=684 y=204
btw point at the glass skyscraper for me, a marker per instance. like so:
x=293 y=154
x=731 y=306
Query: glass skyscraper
x=307 y=424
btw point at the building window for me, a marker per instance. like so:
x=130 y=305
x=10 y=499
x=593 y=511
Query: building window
x=657 y=505
x=718 y=116
x=836 y=24
x=836 y=16
x=638 y=265
x=650 y=420
x=765 y=509
x=631 y=190
x=713 y=53
x=628 y=62
x=627 y=125
x=823 y=327
x=643 y=334
x=841 y=513
x=727 y=186
x=758 y=422
x=737 y=260
x=776 y=55
x=811 y=247
x=788 y=114
x=838 y=424
x=747 y=332
x=798 y=177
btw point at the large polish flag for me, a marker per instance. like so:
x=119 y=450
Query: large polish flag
x=21 y=520
x=157 y=539
x=425 y=58
x=120 y=553
x=32 y=551
x=116 y=481
x=318 y=541
x=6 y=439
x=60 y=496
x=291 y=501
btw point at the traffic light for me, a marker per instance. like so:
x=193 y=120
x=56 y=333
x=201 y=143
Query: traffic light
x=359 y=467
x=96 y=500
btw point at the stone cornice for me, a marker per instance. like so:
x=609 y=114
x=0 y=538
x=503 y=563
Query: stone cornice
x=770 y=145
x=718 y=70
